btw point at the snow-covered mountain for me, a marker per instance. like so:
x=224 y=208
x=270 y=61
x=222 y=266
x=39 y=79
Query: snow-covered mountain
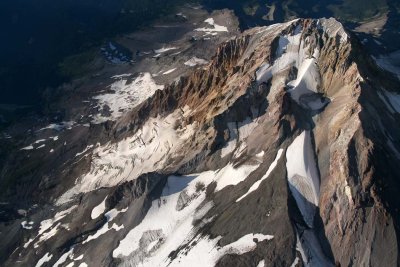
x=279 y=150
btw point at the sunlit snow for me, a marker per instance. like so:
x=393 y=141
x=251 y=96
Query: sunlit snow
x=125 y=96
x=99 y=209
x=214 y=29
x=255 y=186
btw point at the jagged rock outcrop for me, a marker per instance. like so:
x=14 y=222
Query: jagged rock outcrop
x=281 y=151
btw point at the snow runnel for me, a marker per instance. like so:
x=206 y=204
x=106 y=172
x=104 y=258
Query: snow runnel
x=303 y=176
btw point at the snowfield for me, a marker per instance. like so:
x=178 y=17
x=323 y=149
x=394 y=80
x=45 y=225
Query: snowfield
x=303 y=176
x=165 y=49
x=230 y=175
x=215 y=28
x=333 y=28
x=27 y=225
x=287 y=55
x=59 y=126
x=292 y=51
x=238 y=132
x=146 y=151
x=124 y=97
x=110 y=216
x=194 y=61
x=169 y=224
x=47 y=257
x=49 y=228
x=169 y=71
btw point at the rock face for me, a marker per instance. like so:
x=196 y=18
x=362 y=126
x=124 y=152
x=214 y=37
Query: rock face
x=281 y=151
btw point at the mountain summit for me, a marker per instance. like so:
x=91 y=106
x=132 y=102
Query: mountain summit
x=282 y=150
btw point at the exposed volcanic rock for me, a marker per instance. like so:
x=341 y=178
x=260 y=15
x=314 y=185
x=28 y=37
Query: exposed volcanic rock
x=281 y=151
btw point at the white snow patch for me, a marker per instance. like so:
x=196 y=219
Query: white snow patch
x=164 y=49
x=59 y=126
x=293 y=51
x=260 y=155
x=152 y=245
x=46 y=228
x=180 y=14
x=228 y=148
x=28 y=242
x=46 y=224
x=169 y=71
x=27 y=225
x=302 y=175
x=46 y=258
x=125 y=96
x=79 y=258
x=147 y=150
x=30 y=147
x=255 y=186
x=333 y=28
x=194 y=61
x=64 y=257
x=246 y=243
x=287 y=55
x=238 y=132
x=307 y=80
x=261 y=263
x=125 y=75
x=110 y=215
x=230 y=175
x=215 y=27
x=206 y=252
x=102 y=231
x=99 y=209
x=47 y=235
x=295 y=262
x=84 y=151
